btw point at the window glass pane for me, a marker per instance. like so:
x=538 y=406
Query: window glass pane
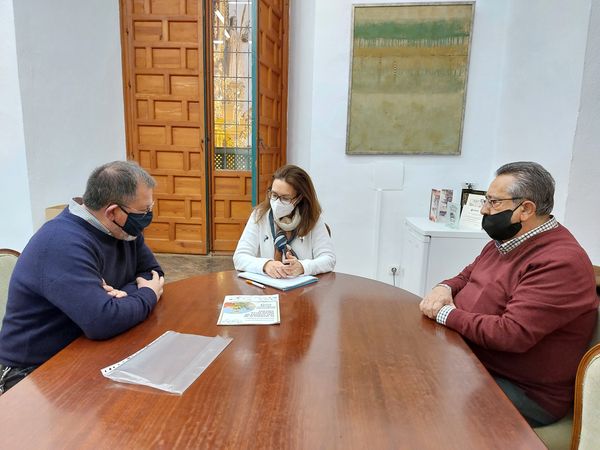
x=232 y=53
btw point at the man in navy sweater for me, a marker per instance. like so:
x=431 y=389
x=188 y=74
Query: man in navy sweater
x=88 y=271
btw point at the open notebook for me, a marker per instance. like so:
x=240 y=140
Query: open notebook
x=284 y=284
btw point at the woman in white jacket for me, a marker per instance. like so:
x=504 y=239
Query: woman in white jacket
x=286 y=235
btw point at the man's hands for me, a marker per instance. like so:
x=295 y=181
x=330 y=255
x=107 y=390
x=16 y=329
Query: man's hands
x=434 y=300
x=156 y=284
x=112 y=291
x=291 y=268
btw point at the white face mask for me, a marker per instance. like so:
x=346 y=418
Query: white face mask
x=281 y=209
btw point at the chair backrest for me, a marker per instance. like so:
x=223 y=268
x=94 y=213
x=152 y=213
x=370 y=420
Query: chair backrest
x=8 y=259
x=586 y=427
x=596 y=338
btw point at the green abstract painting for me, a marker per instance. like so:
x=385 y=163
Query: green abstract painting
x=408 y=78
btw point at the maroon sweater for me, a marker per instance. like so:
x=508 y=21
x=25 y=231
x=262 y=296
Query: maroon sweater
x=529 y=315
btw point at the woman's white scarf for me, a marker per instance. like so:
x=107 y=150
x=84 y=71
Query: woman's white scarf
x=287 y=223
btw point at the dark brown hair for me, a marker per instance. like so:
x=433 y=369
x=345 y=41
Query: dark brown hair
x=308 y=206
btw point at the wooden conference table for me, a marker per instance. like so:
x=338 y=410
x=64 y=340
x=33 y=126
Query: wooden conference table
x=352 y=365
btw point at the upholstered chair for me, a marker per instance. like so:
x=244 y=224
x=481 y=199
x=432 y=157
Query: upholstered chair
x=580 y=430
x=8 y=259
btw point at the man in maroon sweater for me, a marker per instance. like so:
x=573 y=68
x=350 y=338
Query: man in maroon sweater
x=527 y=305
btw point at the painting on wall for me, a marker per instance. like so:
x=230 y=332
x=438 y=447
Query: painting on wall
x=408 y=78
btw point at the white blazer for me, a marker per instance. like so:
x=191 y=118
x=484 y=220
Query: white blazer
x=255 y=247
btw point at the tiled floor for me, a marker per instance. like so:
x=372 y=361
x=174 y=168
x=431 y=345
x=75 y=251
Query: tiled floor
x=178 y=267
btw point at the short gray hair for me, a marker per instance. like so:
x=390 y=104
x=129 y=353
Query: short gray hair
x=115 y=182
x=532 y=182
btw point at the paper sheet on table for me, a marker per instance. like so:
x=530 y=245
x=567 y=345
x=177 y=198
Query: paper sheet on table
x=171 y=363
x=250 y=310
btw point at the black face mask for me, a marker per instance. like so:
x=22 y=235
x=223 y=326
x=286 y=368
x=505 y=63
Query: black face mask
x=136 y=222
x=499 y=227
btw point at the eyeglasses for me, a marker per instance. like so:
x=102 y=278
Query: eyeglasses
x=134 y=211
x=285 y=199
x=495 y=203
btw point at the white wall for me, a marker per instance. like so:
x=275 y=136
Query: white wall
x=546 y=44
x=582 y=211
x=69 y=57
x=300 y=80
x=345 y=183
x=15 y=214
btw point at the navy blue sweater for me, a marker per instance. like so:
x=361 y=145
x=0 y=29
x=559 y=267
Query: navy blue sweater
x=56 y=295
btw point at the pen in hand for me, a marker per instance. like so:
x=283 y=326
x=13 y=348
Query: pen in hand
x=254 y=283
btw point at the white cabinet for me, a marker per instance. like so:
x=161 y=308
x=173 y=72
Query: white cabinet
x=434 y=252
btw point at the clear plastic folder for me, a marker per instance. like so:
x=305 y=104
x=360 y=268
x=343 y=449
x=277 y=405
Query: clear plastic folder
x=172 y=362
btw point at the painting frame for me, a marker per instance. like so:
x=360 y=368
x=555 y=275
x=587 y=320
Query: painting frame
x=373 y=111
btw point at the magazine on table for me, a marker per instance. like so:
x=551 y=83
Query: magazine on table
x=250 y=310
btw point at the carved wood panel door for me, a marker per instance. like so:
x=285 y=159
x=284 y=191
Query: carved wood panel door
x=273 y=30
x=164 y=84
x=167 y=94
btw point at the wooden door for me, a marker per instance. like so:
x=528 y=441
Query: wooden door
x=273 y=25
x=164 y=89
